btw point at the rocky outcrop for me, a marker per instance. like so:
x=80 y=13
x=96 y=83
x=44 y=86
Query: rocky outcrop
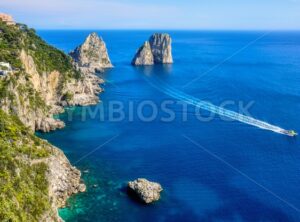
x=147 y=191
x=92 y=55
x=49 y=95
x=82 y=92
x=48 y=124
x=40 y=87
x=23 y=101
x=144 y=56
x=158 y=50
x=161 y=48
x=64 y=179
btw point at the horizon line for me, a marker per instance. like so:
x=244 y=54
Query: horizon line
x=154 y=29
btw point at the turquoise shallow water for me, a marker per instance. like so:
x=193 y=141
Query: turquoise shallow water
x=211 y=170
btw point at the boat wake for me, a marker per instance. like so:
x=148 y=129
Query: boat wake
x=170 y=91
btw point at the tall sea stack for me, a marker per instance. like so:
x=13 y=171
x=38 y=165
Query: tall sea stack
x=143 y=56
x=157 y=50
x=92 y=55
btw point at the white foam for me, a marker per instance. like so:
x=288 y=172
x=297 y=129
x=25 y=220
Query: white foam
x=170 y=91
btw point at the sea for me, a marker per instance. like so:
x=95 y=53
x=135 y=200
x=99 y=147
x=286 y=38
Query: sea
x=211 y=168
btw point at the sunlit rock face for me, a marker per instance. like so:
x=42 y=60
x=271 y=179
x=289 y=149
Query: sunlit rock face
x=147 y=191
x=158 y=50
x=92 y=55
x=143 y=56
x=161 y=48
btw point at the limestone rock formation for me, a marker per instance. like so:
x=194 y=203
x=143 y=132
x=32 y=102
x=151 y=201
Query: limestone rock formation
x=157 y=50
x=147 y=191
x=48 y=124
x=83 y=92
x=64 y=179
x=36 y=88
x=161 y=48
x=79 y=92
x=144 y=56
x=92 y=55
x=42 y=85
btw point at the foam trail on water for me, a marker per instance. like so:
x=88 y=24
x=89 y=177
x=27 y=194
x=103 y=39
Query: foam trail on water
x=170 y=91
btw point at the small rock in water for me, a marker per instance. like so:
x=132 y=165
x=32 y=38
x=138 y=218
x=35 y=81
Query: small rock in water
x=82 y=188
x=147 y=191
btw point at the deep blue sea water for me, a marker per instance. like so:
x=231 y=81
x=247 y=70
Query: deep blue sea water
x=210 y=170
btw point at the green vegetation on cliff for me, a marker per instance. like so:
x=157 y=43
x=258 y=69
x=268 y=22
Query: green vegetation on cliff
x=23 y=183
x=47 y=58
x=16 y=90
x=23 y=171
x=25 y=160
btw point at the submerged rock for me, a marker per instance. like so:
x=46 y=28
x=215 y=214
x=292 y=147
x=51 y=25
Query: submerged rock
x=157 y=50
x=82 y=188
x=92 y=55
x=147 y=191
x=144 y=56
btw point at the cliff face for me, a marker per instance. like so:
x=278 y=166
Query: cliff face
x=36 y=178
x=161 y=48
x=20 y=98
x=64 y=181
x=157 y=50
x=92 y=55
x=43 y=81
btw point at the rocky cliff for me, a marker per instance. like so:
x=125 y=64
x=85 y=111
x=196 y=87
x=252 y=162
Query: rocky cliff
x=92 y=55
x=158 y=50
x=64 y=181
x=44 y=80
x=36 y=178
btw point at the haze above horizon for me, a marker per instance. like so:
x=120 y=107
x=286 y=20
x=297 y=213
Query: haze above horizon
x=155 y=14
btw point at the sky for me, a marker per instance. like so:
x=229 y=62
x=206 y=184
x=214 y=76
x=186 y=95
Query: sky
x=156 y=14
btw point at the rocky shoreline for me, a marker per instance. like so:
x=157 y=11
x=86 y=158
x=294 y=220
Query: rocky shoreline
x=51 y=95
x=34 y=92
x=64 y=180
